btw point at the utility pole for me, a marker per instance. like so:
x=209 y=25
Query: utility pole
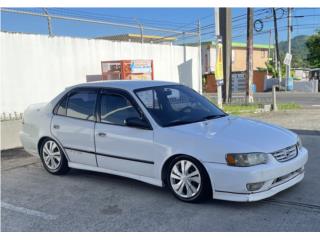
x=140 y=28
x=278 y=63
x=269 y=50
x=275 y=59
x=249 y=73
x=141 y=32
x=225 y=31
x=218 y=37
x=200 y=64
x=288 y=67
x=49 y=22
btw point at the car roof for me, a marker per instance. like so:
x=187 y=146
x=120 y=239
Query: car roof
x=126 y=84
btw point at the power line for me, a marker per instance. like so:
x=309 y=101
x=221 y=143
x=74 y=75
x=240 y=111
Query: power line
x=284 y=28
x=268 y=31
x=189 y=30
x=235 y=18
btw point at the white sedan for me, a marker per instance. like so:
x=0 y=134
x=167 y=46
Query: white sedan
x=164 y=134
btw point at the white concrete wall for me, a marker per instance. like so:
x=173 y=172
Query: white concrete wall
x=10 y=134
x=35 y=68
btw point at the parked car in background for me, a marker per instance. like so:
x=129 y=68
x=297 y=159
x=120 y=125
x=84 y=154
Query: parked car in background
x=164 y=134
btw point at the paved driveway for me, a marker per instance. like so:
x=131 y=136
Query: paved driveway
x=33 y=200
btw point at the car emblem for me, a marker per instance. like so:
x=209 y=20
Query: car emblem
x=286 y=152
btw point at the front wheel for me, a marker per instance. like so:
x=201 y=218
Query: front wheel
x=188 y=180
x=53 y=159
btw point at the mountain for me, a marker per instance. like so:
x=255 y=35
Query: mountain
x=299 y=51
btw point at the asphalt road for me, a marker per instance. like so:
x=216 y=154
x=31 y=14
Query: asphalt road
x=34 y=200
x=304 y=99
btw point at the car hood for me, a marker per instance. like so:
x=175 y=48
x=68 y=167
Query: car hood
x=242 y=134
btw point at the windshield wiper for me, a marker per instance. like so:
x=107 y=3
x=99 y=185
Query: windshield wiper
x=214 y=116
x=178 y=122
x=181 y=122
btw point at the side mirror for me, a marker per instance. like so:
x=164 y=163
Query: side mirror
x=137 y=123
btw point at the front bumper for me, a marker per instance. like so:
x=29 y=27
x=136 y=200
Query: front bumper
x=229 y=183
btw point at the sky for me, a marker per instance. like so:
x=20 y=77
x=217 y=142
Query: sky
x=305 y=22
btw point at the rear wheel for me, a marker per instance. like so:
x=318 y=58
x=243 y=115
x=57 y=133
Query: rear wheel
x=188 y=180
x=53 y=158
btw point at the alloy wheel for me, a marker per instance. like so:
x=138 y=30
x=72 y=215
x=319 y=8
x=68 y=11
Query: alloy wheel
x=51 y=155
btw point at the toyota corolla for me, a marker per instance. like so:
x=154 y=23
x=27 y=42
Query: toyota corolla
x=163 y=134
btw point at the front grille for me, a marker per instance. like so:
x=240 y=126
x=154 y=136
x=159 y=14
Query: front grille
x=286 y=154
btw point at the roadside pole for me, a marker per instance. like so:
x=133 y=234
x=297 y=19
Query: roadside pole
x=249 y=73
x=288 y=67
x=219 y=82
x=274 y=98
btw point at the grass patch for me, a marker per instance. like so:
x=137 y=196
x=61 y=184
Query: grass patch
x=288 y=106
x=243 y=109
x=238 y=109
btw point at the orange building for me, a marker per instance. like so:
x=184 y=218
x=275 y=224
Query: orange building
x=261 y=54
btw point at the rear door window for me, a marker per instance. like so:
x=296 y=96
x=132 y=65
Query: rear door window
x=81 y=105
x=62 y=107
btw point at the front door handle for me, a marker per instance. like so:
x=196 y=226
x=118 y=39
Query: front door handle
x=101 y=134
x=56 y=126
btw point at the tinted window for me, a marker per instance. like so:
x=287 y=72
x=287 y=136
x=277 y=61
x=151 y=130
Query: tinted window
x=177 y=104
x=149 y=98
x=62 y=108
x=115 y=109
x=82 y=105
x=179 y=100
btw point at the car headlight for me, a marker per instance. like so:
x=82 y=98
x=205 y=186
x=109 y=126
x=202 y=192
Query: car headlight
x=246 y=159
x=299 y=143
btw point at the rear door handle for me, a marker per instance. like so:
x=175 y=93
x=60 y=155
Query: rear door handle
x=56 y=126
x=101 y=134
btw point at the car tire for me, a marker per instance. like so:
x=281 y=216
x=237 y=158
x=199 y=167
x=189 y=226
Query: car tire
x=193 y=189
x=53 y=158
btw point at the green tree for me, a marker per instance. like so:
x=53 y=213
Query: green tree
x=313 y=44
x=299 y=51
x=272 y=69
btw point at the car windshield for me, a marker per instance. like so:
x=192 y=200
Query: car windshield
x=177 y=104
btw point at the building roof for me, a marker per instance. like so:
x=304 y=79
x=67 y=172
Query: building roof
x=130 y=37
x=126 y=84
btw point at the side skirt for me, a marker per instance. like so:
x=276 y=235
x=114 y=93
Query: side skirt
x=151 y=181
